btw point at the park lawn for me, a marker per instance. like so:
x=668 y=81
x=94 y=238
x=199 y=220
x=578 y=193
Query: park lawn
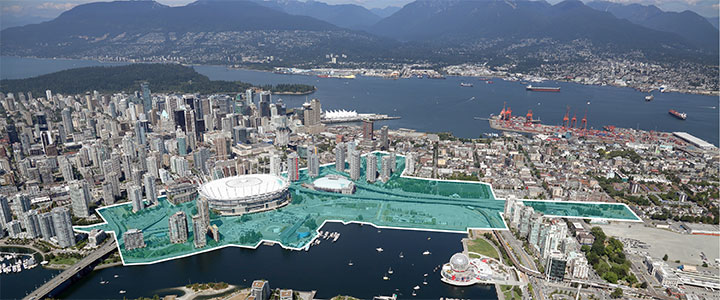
x=509 y=293
x=483 y=247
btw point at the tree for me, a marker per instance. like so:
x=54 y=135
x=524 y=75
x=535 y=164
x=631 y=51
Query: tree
x=611 y=277
x=665 y=258
x=617 y=293
x=644 y=284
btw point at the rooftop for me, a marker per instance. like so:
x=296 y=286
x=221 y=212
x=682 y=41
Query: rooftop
x=238 y=187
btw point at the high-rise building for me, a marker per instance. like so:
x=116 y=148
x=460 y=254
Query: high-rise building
x=47 y=228
x=66 y=116
x=152 y=166
x=293 y=167
x=260 y=290
x=264 y=104
x=62 y=222
x=133 y=239
x=150 y=189
x=178 y=229
x=48 y=94
x=80 y=198
x=21 y=204
x=240 y=135
x=5 y=213
x=371 y=168
x=340 y=157
x=393 y=162
x=410 y=164
x=65 y=168
x=384 y=140
x=14 y=228
x=368 y=129
x=248 y=97
x=313 y=165
x=135 y=196
x=199 y=232
x=147 y=100
x=203 y=209
x=355 y=165
x=385 y=168
x=32 y=224
x=275 y=164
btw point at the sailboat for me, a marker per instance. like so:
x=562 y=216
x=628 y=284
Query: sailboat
x=390 y=271
x=401 y=255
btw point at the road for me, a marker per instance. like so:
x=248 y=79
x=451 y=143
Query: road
x=49 y=286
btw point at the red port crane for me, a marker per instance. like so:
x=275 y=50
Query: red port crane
x=573 y=121
x=566 y=118
x=529 y=117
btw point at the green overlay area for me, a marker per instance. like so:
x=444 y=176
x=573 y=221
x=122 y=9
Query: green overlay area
x=401 y=202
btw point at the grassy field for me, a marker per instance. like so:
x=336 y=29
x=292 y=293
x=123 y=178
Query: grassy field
x=483 y=247
x=510 y=293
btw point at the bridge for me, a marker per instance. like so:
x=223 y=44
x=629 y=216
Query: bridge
x=82 y=267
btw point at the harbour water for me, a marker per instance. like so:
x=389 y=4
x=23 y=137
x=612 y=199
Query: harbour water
x=443 y=105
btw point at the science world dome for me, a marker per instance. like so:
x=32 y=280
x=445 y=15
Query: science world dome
x=459 y=262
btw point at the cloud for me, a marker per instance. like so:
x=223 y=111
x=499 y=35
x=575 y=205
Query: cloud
x=12 y=8
x=56 y=6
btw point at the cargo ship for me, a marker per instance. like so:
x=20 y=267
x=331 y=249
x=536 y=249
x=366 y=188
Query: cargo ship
x=679 y=115
x=542 y=88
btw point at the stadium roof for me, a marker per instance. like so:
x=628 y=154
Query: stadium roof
x=243 y=186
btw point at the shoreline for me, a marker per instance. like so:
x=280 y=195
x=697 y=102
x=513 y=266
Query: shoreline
x=248 y=68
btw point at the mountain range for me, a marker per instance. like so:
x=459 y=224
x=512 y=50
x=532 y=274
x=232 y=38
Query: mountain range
x=290 y=32
x=687 y=24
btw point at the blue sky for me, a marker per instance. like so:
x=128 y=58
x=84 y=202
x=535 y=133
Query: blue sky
x=46 y=9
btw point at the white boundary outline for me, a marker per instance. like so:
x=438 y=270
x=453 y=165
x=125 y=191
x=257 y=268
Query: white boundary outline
x=317 y=231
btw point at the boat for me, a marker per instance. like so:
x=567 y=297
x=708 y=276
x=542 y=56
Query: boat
x=425 y=282
x=401 y=255
x=350 y=263
x=662 y=88
x=426 y=252
x=529 y=87
x=390 y=271
x=414 y=294
x=385 y=277
x=463 y=84
x=679 y=115
x=116 y=276
x=649 y=97
x=123 y=292
x=379 y=249
x=417 y=287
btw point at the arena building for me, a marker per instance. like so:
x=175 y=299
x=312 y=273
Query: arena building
x=334 y=184
x=243 y=194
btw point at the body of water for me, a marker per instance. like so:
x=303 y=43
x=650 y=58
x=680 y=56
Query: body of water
x=425 y=105
x=435 y=105
x=324 y=268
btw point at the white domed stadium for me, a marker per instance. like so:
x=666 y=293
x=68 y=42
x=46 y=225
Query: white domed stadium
x=243 y=194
